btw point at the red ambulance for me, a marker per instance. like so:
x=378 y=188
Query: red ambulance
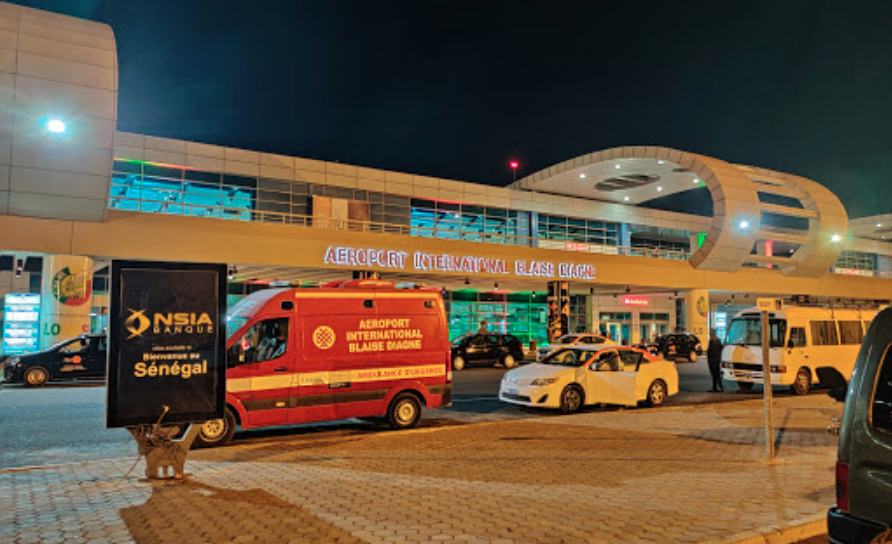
x=360 y=348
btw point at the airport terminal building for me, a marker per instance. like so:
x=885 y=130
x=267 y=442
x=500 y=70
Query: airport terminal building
x=579 y=246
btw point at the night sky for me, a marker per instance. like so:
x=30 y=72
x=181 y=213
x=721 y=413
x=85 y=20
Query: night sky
x=455 y=89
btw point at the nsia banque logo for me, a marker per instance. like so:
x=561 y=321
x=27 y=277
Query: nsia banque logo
x=137 y=323
x=168 y=323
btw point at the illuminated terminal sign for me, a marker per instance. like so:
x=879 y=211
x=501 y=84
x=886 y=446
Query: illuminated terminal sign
x=444 y=262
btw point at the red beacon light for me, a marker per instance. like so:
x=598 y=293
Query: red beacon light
x=514 y=165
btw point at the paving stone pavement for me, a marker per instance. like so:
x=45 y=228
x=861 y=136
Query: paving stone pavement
x=681 y=474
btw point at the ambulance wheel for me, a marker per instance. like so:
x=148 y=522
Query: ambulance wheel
x=404 y=411
x=656 y=393
x=745 y=386
x=803 y=382
x=36 y=376
x=509 y=361
x=458 y=362
x=216 y=432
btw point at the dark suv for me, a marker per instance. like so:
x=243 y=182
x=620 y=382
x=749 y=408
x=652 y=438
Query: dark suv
x=676 y=345
x=80 y=357
x=489 y=348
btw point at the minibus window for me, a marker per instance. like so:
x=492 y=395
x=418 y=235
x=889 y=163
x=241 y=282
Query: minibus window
x=797 y=337
x=823 y=333
x=747 y=331
x=850 y=332
x=882 y=396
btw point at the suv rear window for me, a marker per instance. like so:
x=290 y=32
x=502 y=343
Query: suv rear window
x=882 y=396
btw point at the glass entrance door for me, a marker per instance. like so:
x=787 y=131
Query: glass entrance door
x=618 y=332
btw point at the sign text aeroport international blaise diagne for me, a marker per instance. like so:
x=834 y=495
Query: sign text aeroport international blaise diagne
x=444 y=262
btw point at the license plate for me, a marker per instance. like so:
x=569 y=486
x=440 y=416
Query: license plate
x=512 y=391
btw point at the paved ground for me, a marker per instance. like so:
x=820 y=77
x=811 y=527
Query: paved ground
x=676 y=474
x=66 y=423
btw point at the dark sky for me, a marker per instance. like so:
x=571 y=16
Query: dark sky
x=455 y=88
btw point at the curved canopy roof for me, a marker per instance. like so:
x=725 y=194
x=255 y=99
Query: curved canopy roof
x=633 y=175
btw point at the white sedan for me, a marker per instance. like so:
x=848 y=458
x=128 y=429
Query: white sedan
x=583 y=375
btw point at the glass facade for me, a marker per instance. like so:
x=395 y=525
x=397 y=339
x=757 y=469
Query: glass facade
x=855 y=260
x=455 y=221
x=523 y=314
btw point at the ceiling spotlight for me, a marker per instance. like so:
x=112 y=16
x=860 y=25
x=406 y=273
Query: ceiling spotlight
x=659 y=162
x=626 y=198
x=696 y=181
x=467 y=281
x=628 y=289
x=659 y=188
x=676 y=293
x=496 y=286
x=19 y=267
x=591 y=290
x=744 y=224
x=581 y=176
x=617 y=167
x=835 y=238
x=55 y=125
x=879 y=225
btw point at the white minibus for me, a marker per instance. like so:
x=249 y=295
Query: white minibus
x=802 y=340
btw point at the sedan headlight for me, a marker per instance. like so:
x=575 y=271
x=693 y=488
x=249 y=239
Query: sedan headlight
x=13 y=361
x=543 y=381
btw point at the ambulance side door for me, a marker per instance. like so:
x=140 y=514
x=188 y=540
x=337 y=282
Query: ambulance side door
x=337 y=340
x=261 y=374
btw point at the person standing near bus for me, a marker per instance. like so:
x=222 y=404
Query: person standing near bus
x=714 y=358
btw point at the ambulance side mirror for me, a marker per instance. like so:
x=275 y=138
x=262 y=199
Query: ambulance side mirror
x=790 y=344
x=236 y=355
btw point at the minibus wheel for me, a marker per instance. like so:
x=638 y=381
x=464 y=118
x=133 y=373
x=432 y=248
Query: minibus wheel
x=802 y=383
x=36 y=376
x=458 y=362
x=404 y=411
x=216 y=432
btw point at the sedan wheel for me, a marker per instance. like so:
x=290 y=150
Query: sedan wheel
x=656 y=393
x=509 y=361
x=36 y=376
x=458 y=362
x=571 y=399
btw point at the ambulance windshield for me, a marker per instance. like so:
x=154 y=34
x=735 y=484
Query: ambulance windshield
x=246 y=308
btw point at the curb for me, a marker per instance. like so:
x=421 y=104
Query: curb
x=800 y=530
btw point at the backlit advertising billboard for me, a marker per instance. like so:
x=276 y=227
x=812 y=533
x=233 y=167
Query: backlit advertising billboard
x=166 y=343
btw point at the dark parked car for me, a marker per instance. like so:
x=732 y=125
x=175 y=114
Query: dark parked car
x=490 y=348
x=80 y=357
x=676 y=345
x=863 y=510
